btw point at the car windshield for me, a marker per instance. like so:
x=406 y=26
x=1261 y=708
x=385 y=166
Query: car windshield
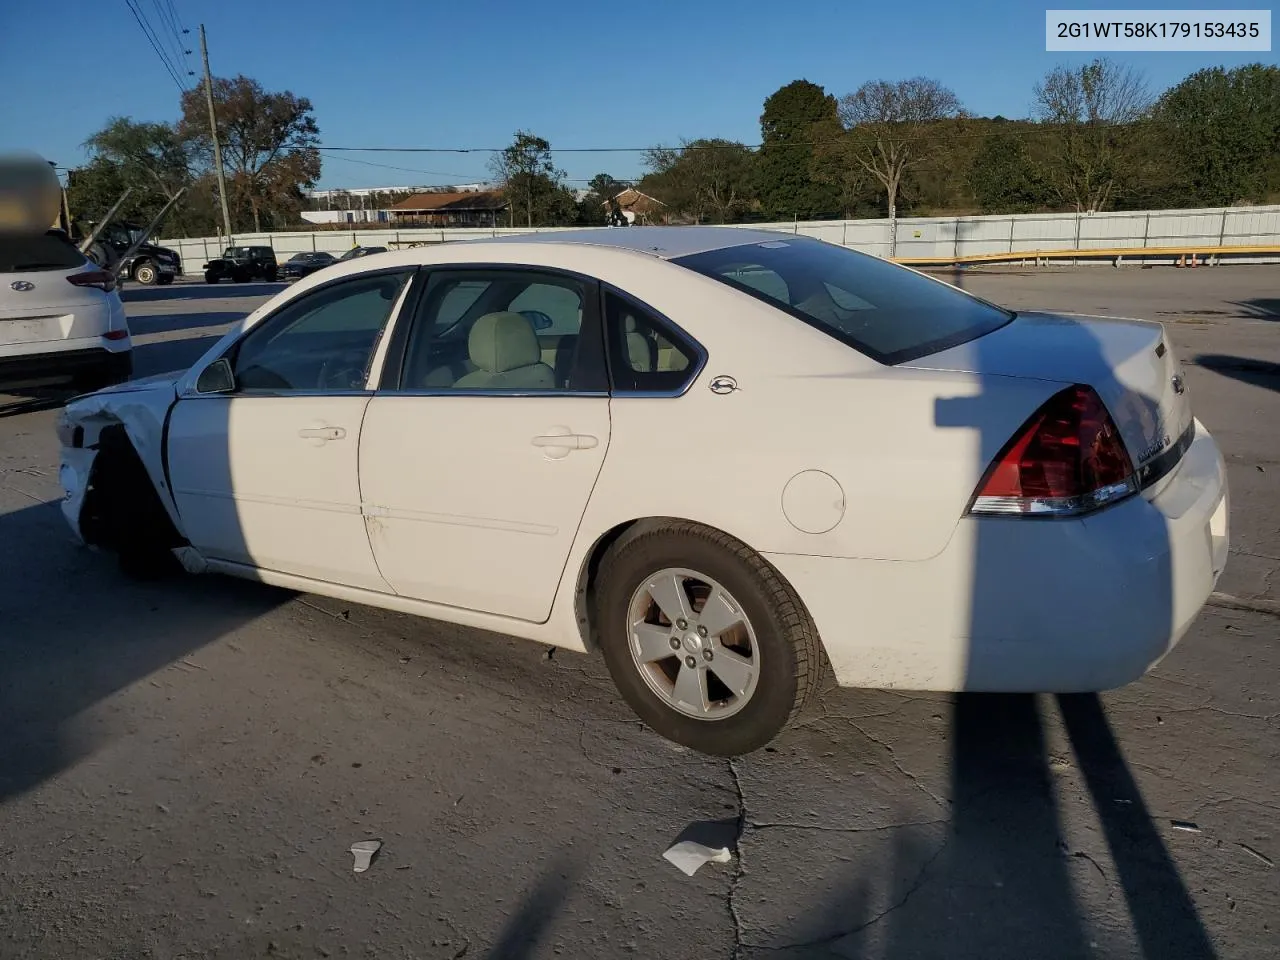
x=891 y=314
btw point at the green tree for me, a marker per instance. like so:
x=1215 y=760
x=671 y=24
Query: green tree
x=533 y=186
x=268 y=144
x=1222 y=132
x=1005 y=178
x=1089 y=116
x=709 y=180
x=150 y=156
x=794 y=118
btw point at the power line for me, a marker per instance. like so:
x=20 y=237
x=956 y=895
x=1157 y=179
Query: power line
x=167 y=17
x=154 y=45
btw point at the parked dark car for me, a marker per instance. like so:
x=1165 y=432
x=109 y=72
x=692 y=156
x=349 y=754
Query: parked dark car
x=241 y=264
x=304 y=264
x=355 y=252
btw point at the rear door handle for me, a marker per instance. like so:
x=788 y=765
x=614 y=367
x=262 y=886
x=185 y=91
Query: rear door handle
x=322 y=433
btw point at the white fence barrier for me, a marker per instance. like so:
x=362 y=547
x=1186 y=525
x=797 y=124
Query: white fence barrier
x=925 y=237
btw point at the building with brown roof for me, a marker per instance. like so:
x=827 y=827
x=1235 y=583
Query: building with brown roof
x=470 y=208
x=644 y=208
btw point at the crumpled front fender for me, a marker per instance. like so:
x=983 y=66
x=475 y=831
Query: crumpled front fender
x=140 y=407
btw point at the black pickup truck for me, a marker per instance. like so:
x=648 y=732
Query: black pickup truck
x=148 y=264
x=241 y=264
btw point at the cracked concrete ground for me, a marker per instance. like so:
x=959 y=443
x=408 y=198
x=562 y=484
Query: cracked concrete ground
x=185 y=765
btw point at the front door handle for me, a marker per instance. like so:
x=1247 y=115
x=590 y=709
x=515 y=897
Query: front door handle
x=322 y=434
x=558 y=442
x=568 y=441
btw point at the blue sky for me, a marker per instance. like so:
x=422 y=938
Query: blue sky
x=406 y=73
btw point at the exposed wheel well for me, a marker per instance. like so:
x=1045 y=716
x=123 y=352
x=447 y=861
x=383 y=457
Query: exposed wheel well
x=122 y=511
x=584 y=595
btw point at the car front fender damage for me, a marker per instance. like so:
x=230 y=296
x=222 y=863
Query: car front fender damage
x=115 y=491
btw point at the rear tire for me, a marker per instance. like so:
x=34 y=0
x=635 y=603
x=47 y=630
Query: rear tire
x=747 y=648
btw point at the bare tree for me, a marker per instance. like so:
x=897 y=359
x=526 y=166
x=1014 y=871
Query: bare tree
x=269 y=142
x=1091 y=112
x=890 y=124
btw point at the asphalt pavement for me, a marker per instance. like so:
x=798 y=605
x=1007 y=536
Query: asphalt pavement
x=184 y=765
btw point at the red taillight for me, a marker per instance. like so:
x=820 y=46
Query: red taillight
x=115 y=335
x=1068 y=459
x=104 y=280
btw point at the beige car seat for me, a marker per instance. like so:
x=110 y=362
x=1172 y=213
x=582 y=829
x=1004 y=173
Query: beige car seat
x=642 y=352
x=504 y=348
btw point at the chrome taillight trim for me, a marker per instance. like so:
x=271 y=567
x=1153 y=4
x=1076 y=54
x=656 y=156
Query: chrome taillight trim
x=1054 y=507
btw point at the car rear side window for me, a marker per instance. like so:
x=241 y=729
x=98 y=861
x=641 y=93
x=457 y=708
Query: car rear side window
x=891 y=314
x=646 y=355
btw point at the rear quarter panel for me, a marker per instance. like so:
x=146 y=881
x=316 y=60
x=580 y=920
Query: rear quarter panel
x=906 y=447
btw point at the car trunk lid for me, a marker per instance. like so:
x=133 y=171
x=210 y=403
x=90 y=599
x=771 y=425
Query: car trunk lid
x=1130 y=363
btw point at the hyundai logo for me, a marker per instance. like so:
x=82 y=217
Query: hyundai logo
x=22 y=286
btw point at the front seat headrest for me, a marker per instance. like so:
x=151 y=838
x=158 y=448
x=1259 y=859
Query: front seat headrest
x=503 y=341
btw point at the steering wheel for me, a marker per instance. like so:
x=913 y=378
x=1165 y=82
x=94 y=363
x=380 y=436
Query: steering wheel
x=340 y=373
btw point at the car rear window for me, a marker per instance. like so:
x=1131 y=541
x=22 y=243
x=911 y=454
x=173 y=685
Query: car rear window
x=42 y=251
x=891 y=314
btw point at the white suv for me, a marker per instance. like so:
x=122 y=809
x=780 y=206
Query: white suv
x=61 y=319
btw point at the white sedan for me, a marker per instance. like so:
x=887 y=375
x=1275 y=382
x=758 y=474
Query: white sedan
x=728 y=459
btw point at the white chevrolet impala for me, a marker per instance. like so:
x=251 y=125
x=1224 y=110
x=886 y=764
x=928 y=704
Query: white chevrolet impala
x=727 y=459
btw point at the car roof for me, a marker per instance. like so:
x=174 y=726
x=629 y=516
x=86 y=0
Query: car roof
x=666 y=243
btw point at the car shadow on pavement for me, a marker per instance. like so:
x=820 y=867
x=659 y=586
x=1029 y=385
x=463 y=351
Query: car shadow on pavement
x=32 y=400
x=60 y=660
x=175 y=322
x=200 y=291
x=1258 y=373
x=1004 y=881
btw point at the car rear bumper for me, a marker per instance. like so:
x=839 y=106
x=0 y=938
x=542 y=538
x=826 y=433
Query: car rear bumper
x=72 y=360
x=1020 y=605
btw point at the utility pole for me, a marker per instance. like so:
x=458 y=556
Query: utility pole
x=213 y=131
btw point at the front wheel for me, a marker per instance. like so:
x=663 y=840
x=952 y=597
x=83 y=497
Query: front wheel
x=704 y=639
x=211 y=277
x=145 y=273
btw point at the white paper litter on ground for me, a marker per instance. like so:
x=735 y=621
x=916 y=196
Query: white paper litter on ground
x=688 y=856
x=364 y=851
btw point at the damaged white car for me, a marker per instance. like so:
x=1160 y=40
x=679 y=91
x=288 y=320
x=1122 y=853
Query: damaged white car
x=727 y=459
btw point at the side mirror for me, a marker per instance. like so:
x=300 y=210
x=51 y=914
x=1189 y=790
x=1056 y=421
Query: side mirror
x=216 y=378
